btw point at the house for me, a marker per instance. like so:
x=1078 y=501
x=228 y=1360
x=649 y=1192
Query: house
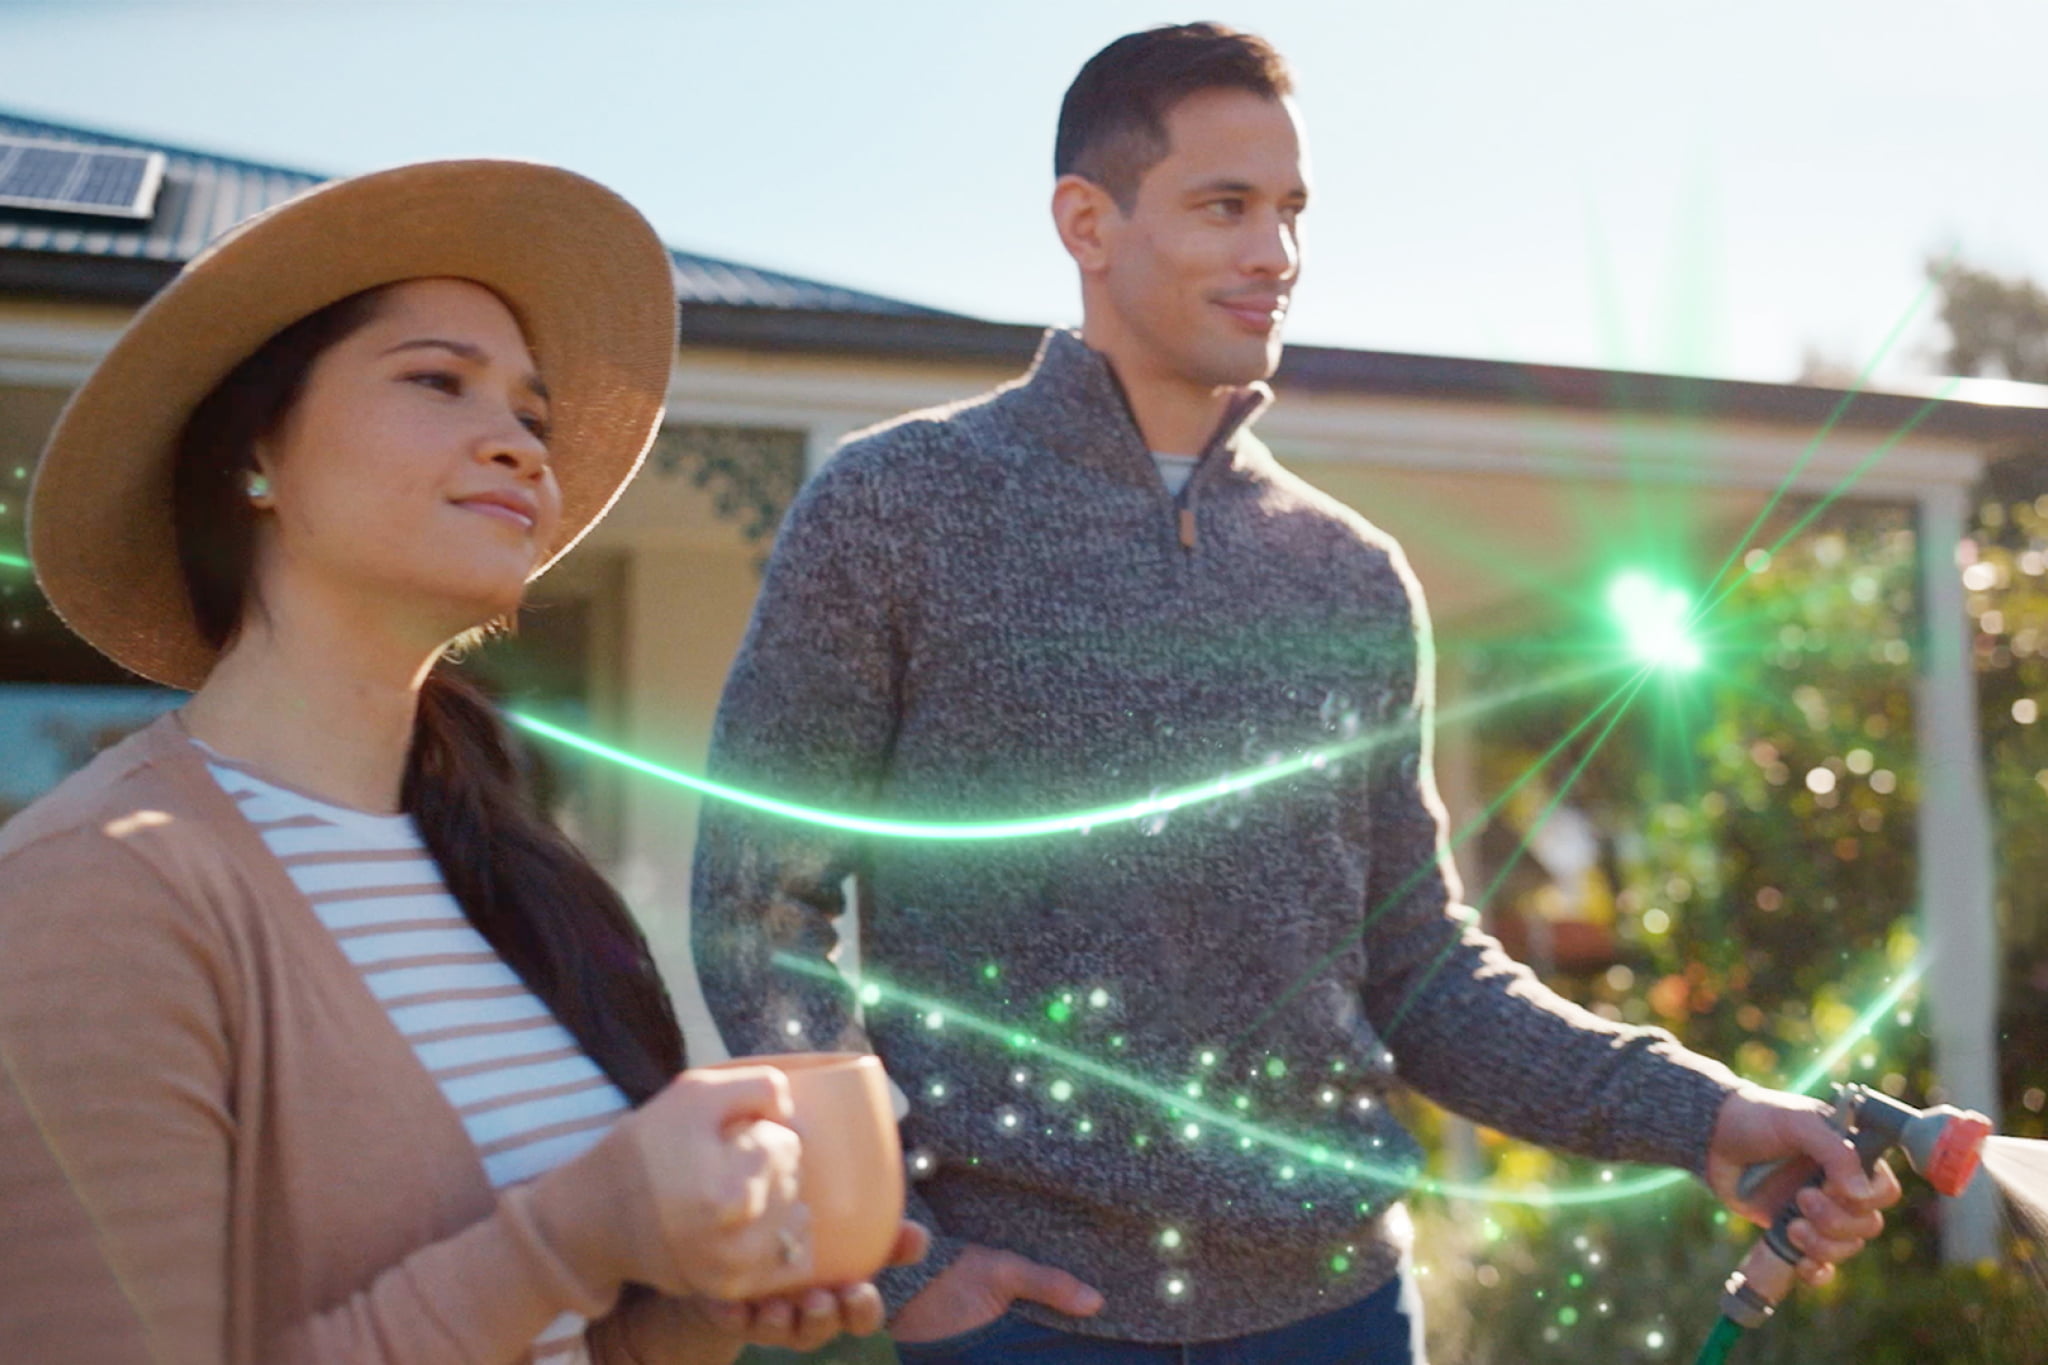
x=1490 y=473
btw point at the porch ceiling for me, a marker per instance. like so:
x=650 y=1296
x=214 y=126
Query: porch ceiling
x=1500 y=553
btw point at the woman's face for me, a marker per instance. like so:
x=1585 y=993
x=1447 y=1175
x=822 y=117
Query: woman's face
x=411 y=476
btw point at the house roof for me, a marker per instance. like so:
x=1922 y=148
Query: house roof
x=727 y=304
x=2011 y=416
x=204 y=194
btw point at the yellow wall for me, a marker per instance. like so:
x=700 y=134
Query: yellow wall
x=687 y=608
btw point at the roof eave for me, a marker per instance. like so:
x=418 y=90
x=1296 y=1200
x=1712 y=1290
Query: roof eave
x=901 y=336
x=948 y=338
x=1570 y=387
x=99 y=279
x=1389 y=374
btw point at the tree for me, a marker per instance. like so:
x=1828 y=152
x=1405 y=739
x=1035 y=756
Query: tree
x=1998 y=327
x=1766 y=889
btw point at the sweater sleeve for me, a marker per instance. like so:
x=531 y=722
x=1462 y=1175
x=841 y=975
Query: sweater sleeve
x=810 y=713
x=1475 y=1030
x=117 y=1157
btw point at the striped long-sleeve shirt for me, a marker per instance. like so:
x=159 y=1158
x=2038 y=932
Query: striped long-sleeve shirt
x=527 y=1094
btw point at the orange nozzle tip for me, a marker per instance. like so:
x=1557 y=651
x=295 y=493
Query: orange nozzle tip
x=1956 y=1153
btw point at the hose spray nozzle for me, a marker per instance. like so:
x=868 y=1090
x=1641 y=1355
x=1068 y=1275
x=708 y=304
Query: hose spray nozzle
x=1943 y=1144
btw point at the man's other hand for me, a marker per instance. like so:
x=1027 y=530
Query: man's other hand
x=980 y=1286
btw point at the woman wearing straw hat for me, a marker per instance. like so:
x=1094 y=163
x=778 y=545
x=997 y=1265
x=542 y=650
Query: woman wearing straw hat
x=315 y=1043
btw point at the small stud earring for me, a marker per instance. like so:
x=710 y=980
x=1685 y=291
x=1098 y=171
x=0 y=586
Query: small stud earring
x=256 y=484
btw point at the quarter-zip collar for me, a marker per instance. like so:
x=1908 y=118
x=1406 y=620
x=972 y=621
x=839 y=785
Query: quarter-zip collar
x=1071 y=400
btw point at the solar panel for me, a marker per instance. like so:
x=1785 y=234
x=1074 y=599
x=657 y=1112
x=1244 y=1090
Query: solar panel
x=64 y=177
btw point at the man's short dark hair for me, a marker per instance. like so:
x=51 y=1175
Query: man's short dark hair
x=1113 y=120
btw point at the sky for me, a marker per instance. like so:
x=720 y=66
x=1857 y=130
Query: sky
x=1716 y=189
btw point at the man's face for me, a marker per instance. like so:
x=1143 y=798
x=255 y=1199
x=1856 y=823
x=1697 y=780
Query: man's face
x=1201 y=269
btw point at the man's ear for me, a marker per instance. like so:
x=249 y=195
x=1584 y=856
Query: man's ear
x=1086 y=215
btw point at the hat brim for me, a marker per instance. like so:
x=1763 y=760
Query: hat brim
x=585 y=275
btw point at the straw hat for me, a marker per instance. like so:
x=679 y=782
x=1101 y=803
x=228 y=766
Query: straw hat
x=585 y=275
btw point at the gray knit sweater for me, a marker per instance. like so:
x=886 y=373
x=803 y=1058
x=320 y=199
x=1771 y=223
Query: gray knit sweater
x=994 y=610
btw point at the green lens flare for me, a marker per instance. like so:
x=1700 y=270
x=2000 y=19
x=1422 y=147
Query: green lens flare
x=1655 y=621
x=1193 y=1116
x=13 y=562
x=1658 y=623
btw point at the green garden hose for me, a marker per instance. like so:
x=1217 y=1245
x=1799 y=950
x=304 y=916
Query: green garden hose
x=1719 y=1342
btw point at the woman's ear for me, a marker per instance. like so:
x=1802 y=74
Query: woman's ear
x=257 y=484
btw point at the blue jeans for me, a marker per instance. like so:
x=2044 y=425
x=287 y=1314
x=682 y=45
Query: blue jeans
x=1384 y=1328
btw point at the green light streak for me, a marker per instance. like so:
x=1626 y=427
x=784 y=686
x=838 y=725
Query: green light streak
x=1471 y=829
x=1180 y=1105
x=1664 y=641
x=1521 y=848
x=1609 y=1189
x=1866 y=1024
x=1309 y=761
x=1652 y=1181
x=13 y=562
x=1836 y=493
x=1834 y=417
x=1026 y=828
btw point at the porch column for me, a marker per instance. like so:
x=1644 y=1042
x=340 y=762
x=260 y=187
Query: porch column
x=824 y=437
x=1458 y=782
x=1959 y=924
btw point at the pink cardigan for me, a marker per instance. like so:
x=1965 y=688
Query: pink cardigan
x=215 y=1147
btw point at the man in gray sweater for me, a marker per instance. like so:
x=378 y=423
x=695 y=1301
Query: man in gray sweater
x=1147 y=1063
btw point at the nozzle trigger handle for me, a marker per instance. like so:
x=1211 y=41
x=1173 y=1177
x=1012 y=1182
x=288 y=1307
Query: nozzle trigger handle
x=1768 y=1184
x=1775 y=1185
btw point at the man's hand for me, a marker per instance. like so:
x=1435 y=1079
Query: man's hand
x=980 y=1286
x=806 y=1321
x=1757 y=1125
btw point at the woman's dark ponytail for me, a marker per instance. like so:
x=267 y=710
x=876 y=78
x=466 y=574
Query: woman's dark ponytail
x=532 y=894
x=529 y=891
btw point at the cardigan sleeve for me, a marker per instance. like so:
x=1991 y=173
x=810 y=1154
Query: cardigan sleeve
x=117 y=1157
x=115 y=1126
x=656 y=1329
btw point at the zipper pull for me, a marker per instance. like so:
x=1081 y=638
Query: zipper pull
x=1187 y=528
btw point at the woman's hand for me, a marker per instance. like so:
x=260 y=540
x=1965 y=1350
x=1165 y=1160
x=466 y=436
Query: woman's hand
x=806 y=1321
x=722 y=1162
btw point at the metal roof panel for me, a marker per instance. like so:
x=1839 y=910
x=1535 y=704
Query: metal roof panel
x=200 y=196
x=204 y=195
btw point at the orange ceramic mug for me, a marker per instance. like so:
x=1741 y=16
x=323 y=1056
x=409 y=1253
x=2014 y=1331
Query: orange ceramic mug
x=851 y=1173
